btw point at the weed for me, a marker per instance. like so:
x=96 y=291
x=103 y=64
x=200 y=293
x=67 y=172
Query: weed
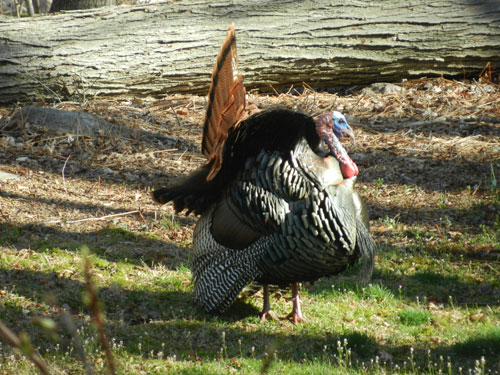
x=391 y=222
x=408 y=190
x=442 y=201
x=170 y=224
x=414 y=317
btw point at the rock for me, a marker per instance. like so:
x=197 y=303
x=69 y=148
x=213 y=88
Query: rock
x=384 y=356
x=4 y=176
x=381 y=87
x=65 y=122
x=429 y=86
x=108 y=171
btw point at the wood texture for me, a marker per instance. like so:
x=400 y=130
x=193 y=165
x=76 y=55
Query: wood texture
x=169 y=48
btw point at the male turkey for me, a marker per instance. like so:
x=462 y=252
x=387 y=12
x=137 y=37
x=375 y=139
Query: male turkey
x=276 y=207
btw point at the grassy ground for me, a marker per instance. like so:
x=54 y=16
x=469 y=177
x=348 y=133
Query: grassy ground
x=429 y=158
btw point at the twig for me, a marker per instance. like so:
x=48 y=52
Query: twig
x=158 y=151
x=142 y=217
x=91 y=218
x=63 y=168
x=98 y=183
x=98 y=316
x=176 y=117
x=25 y=348
x=180 y=157
x=70 y=326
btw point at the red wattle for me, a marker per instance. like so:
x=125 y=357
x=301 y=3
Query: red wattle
x=349 y=169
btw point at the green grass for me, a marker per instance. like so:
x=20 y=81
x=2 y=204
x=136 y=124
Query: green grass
x=432 y=306
x=414 y=317
x=485 y=341
x=154 y=326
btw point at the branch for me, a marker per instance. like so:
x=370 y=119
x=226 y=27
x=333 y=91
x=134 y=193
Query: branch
x=25 y=347
x=92 y=218
x=98 y=315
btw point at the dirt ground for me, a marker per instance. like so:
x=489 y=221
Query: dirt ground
x=428 y=153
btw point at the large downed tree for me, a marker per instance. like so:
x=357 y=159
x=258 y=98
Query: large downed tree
x=159 y=49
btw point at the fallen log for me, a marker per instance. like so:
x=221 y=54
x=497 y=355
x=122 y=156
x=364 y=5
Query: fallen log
x=154 y=50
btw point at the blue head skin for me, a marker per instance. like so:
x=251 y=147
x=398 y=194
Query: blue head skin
x=330 y=127
x=340 y=126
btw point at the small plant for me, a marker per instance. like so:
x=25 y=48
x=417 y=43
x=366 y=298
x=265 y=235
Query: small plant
x=446 y=221
x=379 y=183
x=169 y=223
x=414 y=317
x=392 y=222
x=494 y=185
x=344 y=354
x=378 y=292
x=409 y=189
x=442 y=201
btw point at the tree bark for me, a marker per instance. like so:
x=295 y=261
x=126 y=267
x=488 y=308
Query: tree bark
x=155 y=50
x=58 y=5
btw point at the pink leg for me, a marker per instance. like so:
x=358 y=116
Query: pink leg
x=266 y=308
x=296 y=315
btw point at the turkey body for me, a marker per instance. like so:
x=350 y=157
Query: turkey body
x=278 y=212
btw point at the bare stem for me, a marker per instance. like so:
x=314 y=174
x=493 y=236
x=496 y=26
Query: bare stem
x=25 y=347
x=98 y=316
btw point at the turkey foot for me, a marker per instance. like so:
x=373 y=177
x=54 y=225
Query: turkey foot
x=266 y=308
x=264 y=315
x=296 y=315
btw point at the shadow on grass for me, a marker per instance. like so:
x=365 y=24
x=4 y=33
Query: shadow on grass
x=133 y=306
x=114 y=244
x=487 y=343
x=148 y=322
x=209 y=340
x=431 y=286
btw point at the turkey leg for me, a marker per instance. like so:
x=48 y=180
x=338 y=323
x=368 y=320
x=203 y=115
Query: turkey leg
x=266 y=308
x=296 y=315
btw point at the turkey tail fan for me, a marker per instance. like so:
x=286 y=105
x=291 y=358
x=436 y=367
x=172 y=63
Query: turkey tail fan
x=226 y=103
x=193 y=193
x=367 y=250
x=364 y=243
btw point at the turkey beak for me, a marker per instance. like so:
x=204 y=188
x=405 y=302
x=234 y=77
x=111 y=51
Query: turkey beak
x=348 y=132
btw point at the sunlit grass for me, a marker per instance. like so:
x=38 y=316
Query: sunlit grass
x=154 y=325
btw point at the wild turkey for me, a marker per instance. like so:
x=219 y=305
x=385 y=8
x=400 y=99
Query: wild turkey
x=276 y=208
